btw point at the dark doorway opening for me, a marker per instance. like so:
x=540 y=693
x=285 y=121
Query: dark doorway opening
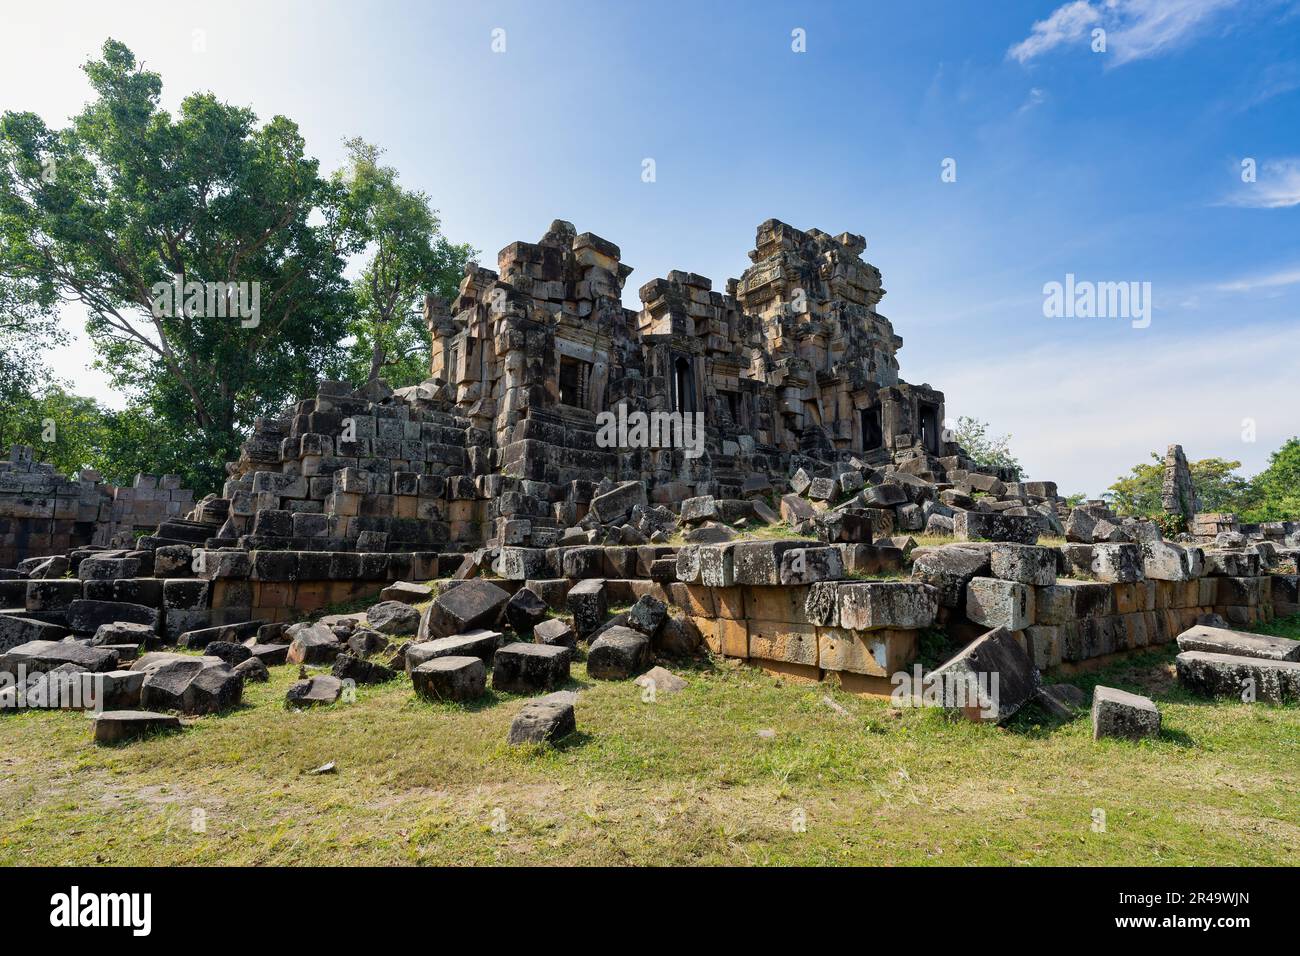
x=873 y=434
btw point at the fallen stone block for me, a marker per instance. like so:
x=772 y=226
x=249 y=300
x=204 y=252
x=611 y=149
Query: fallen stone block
x=313 y=644
x=1246 y=678
x=899 y=605
x=647 y=615
x=587 y=603
x=191 y=685
x=314 y=691
x=525 y=610
x=530 y=668
x=1162 y=561
x=123 y=632
x=555 y=631
x=1218 y=640
x=361 y=671
x=38 y=656
x=473 y=604
x=117 y=726
x=393 y=617
x=988 y=680
x=481 y=643
x=545 y=720
x=450 y=678
x=662 y=680
x=254 y=669
x=85 y=617
x=16 y=630
x=228 y=651
x=1117 y=713
x=617 y=654
x=407 y=592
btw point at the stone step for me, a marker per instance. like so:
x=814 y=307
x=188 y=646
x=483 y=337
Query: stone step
x=1249 y=678
x=1221 y=640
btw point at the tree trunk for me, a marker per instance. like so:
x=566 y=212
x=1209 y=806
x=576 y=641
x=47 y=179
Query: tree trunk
x=376 y=358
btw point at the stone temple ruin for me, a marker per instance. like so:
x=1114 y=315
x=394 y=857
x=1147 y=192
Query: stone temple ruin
x=785 y=538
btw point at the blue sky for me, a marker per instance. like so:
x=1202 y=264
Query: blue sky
x=1123 y=165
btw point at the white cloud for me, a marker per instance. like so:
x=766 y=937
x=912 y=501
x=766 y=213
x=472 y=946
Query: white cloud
x=1277 y=187
x=1065 y=24
x=1083 y=416
x=1270 y=280
x=1135 y=29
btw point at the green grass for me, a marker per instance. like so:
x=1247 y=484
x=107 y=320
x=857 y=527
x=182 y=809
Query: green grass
x=686 y=779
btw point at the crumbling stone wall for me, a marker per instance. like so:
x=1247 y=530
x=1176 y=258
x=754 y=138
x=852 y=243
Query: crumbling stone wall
x=44 y=513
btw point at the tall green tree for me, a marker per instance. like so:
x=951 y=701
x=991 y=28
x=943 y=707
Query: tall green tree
x=991 y=451
x=129 y=201
x=1218 y=487
x=1275 y=491
x=407 y=257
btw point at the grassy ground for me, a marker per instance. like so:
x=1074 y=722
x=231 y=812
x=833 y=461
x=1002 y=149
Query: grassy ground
x=738 y=768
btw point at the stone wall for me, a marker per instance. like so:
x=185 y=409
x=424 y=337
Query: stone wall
x=44 y=513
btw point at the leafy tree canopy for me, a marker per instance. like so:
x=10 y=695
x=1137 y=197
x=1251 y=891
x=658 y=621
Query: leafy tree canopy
x=407 y=259
x=984 y=449
x=128 y=197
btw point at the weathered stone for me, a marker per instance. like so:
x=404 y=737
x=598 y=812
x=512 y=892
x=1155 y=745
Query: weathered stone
x=191 y=685
x=587 y=602
x=450 y=678
x=1062 y=701
x=393 y=617
x=950 y=570
x=1217 y=640
x=228 y=651
x=1117 y=563
x=647 y=615
x=530 y=668
x=989 y=679
x=555 y=631
x=117 y=726
x=617 y=654
x=123 y=632
x=407 y=592
x=253 y=669
x=361 y=671
x=546 y=720
x=1246 y=678
x=993 y=602
x=313 y=644
x=807 y=565
x=38 y=656
x=525 y=610
x=1162 y=561
x=481 y=643
x=1117 y=713
x=85 y=617
x=619 y=502
x=981 y=526
x=472 y=604
x=663 y=681
x=900 y=605
x=1023 y=563
x=314 y=691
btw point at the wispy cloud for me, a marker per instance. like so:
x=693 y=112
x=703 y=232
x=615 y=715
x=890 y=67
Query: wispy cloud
x=1271 y=280
x=1277 y=186
x=1135 y=29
